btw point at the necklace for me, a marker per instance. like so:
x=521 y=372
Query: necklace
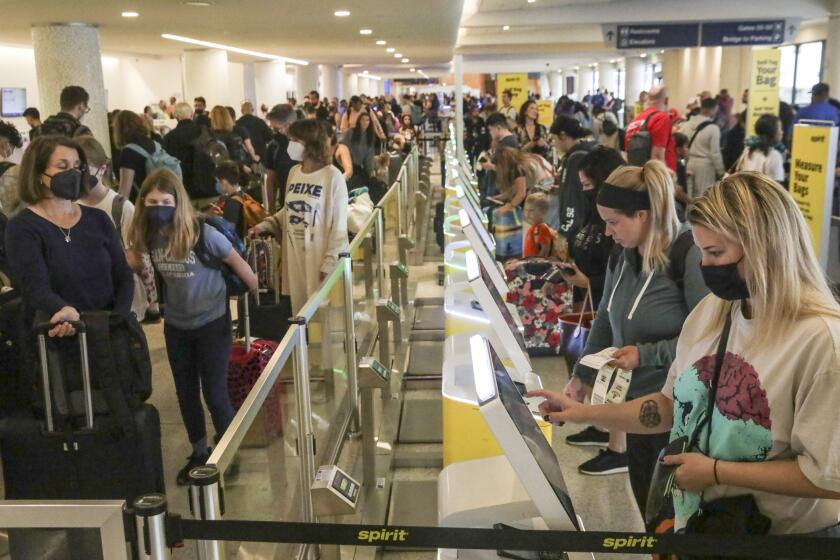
x=65 y=233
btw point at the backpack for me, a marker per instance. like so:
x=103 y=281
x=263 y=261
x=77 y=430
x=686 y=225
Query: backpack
x=676 y=257
x=235 y=285
x=159 y=159
x=235 y=145
x=63 y=126
x=640 y=144
x=252 y=211
x=696 y=132
x=208 y=151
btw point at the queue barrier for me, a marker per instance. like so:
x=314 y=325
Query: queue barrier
x=164 y=530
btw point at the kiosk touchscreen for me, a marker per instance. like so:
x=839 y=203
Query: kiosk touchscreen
x=504 y=323
x=526 y=448
x=479 y=239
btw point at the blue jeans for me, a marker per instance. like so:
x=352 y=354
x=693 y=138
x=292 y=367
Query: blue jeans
x=199 y=361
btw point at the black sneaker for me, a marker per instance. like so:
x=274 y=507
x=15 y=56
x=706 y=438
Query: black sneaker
x=607 y=462
x=193 y=461
x=591 y=436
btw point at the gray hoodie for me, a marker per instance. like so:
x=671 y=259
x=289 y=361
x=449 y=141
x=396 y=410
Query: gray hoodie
x=645 y=310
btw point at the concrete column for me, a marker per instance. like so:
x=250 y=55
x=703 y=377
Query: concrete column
x=555 y=80
x=249 y=79
x=331 y=81
x=459 y=105
x=206 y=74
x=68 y=54
x=270 y=82
x=351 y=83
x=586 y=76
x=634 y=80
x=364 y=85
x=574 y=92
x=832 y=49
x=307 y=80
x=608 y=76
x=545 y=86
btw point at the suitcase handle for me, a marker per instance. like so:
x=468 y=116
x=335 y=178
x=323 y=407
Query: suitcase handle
x=42 y=329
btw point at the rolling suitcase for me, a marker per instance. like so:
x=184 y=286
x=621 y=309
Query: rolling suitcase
x=86 y=453
x=540 y=312
x=269 y=311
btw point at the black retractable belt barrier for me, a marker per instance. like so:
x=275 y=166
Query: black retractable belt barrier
x=512 y=539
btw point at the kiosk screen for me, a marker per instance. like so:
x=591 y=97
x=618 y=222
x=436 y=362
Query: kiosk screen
x=510 y=321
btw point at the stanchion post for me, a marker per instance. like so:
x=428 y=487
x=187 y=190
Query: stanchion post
x=306 y=436
x=368 y=439
x=367 y=247
x=350 y=344
x=380 y=251
x=150 y=517
x=206 y=505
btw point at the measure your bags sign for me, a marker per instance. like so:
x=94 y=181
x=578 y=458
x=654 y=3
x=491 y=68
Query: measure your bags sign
x=812 y=163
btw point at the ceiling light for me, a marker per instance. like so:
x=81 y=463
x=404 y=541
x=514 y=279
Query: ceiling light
x=370 y=76
x=390 y=49
x=412 y=70
x=342 y=13
x=404 y=60
x=531 y=1
x=506 y=27
x=365 y=72
x=365 y=32
x=643 y=55
x=198 y=3
x=381 y=42
x=130 y=14
x=398 y=55
x=612 y=61
x=232 y=49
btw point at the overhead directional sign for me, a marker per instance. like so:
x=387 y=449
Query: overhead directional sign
x=643 y=36
x=657 y=36
x=742 y=33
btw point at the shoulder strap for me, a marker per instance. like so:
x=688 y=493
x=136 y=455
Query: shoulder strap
x=645 y=124
x=697 y=131
x=138 y=149
x=676 y=257
x=710 y=403
x=117 y=213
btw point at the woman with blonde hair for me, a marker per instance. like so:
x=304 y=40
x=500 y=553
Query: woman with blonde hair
x=753 y=390
x=650 y=288
x=223 y=128
x=197 y=326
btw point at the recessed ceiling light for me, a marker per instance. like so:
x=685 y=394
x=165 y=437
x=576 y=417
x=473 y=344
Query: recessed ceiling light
x=398 y=55
x=199 y=3
x=404 y=60
x=643 y=55
x=365 y=72
x=365 y=32
x=130 y=14
x=390 y=49
x=342 y=13
x=506 y=27
x=412 y=70
x=531 y=1
x=381 y=42
x=229 y=48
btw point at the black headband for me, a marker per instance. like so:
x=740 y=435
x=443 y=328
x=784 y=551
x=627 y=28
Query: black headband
x=619 y=198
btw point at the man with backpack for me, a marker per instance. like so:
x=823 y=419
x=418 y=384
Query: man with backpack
x=705 y=161
x=74 y=105
x=649 y=135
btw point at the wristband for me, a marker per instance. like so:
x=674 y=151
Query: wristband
x=716 y=474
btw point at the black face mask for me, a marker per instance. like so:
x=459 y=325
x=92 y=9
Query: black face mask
x=66 y=184
x=725 y=282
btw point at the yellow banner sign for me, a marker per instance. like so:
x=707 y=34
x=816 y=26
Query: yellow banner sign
x=812 y=163
x=516 y=84
x=764 y=86
x=545 y=107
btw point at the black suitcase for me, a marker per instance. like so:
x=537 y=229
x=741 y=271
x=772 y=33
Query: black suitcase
x=269 y=310
x=83 y=456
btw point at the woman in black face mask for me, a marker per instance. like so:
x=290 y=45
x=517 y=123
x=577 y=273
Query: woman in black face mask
x=751 y=398
x=64 y=257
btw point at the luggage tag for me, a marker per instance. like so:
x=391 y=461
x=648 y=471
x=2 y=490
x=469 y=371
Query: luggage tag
x=611 y=382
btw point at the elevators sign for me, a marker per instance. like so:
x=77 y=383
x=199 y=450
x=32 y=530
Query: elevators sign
x=764 y=86
x=516 y=84
x=545 y=109
x=812 y=164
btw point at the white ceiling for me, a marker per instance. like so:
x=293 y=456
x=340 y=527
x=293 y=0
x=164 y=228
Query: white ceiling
x=424 y=32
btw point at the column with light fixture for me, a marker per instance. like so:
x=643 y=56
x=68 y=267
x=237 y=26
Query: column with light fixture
x=634 y=81
x=331 y=85
x=608 y=76
x=555 y=80
x=306 y=80
x=206 y=74
x=271 y=82
x=68 y=54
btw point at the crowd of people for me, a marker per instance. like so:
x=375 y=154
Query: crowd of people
x=86 y=232
x=707 y=289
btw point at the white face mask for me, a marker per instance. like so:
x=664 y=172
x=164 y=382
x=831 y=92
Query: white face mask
x=295 y=150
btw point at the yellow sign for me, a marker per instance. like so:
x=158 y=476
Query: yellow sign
x=812 y=162
x=516 y=84
x=764 y=86
x=546 y=112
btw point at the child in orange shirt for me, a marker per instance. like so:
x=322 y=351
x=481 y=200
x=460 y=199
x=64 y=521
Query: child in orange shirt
x=539 y=237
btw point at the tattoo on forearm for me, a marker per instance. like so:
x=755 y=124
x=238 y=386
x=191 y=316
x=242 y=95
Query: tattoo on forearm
x=649 y=414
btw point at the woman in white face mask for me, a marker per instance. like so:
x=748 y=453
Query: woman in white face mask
x=312 y=225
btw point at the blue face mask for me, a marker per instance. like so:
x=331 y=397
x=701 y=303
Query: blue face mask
x=219 y=188
x=160 y=216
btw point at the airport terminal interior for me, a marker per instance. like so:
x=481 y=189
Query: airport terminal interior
x=394 y=264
